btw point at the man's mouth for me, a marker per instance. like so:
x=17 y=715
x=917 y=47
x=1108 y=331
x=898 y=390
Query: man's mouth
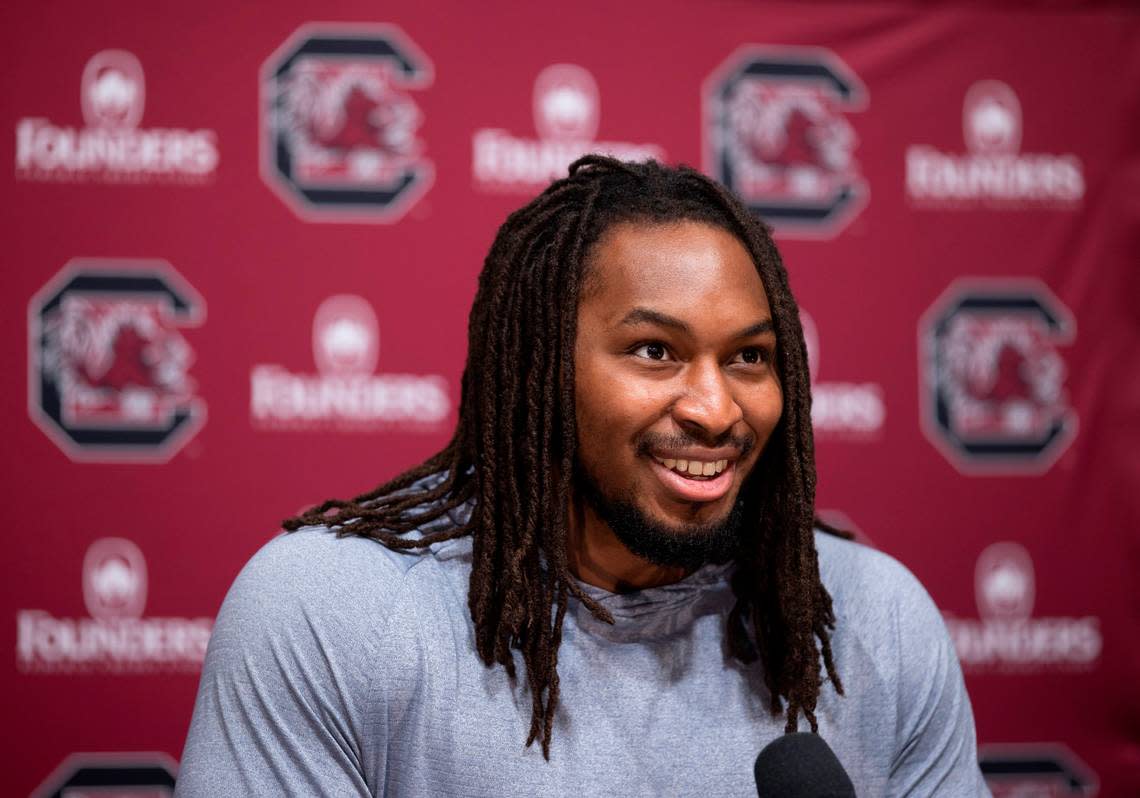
x=694 y=469
x=692 y=480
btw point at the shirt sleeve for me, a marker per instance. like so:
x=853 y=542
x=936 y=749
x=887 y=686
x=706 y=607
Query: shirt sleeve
x=936 y=751
x=279 y=707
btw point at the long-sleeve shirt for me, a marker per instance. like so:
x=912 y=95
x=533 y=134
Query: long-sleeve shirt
x=340 y=667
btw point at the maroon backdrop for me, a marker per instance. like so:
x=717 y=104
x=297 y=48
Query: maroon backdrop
x=242 y=244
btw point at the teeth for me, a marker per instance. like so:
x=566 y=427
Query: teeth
x=695 y=468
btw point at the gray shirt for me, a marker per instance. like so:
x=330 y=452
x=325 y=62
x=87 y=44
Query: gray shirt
x=340 y=667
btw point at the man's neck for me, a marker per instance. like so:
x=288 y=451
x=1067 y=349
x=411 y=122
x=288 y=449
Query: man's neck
x=597 y=557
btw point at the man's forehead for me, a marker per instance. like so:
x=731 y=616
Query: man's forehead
x=675 y=264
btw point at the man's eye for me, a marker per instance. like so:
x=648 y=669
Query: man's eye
x=755 y=354
x=652 y=351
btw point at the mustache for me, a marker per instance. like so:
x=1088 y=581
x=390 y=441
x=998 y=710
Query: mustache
x=652 y=440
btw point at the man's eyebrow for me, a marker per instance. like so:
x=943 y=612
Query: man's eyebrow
x=647 y=316
x=759 y=328
x=642 y=315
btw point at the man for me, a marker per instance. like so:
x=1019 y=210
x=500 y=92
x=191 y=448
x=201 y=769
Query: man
x=623 y=522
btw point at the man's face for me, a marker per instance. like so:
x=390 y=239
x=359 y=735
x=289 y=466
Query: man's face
x=676 y=388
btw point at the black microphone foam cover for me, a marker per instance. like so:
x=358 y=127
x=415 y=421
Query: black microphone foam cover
x=801 y=765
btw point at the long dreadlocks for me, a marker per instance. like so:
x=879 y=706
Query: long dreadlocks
x=512 y=457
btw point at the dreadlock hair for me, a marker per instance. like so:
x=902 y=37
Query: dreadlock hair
x=512 y=456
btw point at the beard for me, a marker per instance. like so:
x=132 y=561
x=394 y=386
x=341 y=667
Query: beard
x=687 y=546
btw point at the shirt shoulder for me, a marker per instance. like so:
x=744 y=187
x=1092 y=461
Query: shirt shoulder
x=307 y=652
x=885 y=620
x=900 y=659
x=315 y=592
x=867 y=585
x=314 y=566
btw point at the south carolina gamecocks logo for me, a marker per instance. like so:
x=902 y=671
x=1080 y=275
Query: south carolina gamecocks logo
x=993 y=376
x=108 y=365
x=340 y=127
x=776 y=133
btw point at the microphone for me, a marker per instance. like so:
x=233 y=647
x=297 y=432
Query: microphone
x=801 y=765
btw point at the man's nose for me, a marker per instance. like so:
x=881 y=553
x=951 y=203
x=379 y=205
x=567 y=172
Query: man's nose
x=706 y=401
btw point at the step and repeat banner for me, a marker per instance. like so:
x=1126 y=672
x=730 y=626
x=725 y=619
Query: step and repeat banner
x=241 y=243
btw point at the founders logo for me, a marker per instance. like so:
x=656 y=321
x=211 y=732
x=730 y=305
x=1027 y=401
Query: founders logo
x=346 y=337
x=566 y=106
x=339 y=127
x=776 y=133
x=848 y=410
x=994 y=171
x=111 y=147
x=114 y=579
x=1007 y=637
x=992 y=377
x=117 y=636
x=113 y=90
x=346 y=393
x=107 y=364
x=1004 y=583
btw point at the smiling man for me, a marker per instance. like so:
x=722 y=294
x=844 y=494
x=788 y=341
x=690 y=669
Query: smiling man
x=615 y=556
x=676 y=397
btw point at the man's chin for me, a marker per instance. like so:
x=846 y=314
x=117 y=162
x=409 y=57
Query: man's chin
x=688 y=545
x=680 y=538
x=684 y=518
x=667 y=541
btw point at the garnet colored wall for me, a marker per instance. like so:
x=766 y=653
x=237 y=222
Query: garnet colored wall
x=242 y=243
